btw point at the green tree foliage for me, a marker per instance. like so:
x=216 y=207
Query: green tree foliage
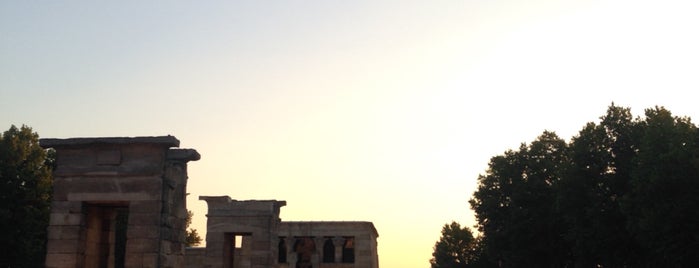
x=25 y=194
x=192 y=238
x=515 y=204
x=457 y=248
x=601 y=156
x=624 y=192
x=663 y=206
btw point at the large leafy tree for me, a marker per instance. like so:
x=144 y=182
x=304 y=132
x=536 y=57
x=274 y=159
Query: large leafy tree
x=624 y=192
x=492 y=203
x=595 y=181
x=25 y=194
x=456 y=248
x=664 y=203
x=515 y=205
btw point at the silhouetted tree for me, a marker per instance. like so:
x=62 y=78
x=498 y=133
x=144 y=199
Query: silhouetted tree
x=515 y=205
x=664 y=203
x=192 y=238
x=622 y=193
x=456 y=248
x=25 y=195
x=589 y=195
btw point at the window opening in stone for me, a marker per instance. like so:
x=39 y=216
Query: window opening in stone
x=304 y=248
x=281 y=250
x=348 y=250
x=105 y=235
x=234 y=248
x=328 y=251
x=238 y=241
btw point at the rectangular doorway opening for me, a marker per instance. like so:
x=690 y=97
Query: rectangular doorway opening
x=105 y=235
x=236 y=249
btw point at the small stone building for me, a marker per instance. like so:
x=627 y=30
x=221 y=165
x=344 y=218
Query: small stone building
x=118 y=202
x=121 y=202
x=332 y=244
x=250 y=234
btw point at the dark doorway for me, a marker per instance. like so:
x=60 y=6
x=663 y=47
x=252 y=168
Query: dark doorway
x=328 y=251
x=105 y=235
x=121 y=226
x=348 y=250
x=304 y=248
x=281 y=250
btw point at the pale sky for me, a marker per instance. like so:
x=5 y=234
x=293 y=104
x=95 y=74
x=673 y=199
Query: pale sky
x=382 y=111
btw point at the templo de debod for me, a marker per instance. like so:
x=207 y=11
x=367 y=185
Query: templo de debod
x=121 y=202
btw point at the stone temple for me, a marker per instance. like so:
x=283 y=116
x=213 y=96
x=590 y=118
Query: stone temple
x=120 y=202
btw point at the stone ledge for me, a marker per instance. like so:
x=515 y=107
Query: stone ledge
x=183 y=154
x=166 y=141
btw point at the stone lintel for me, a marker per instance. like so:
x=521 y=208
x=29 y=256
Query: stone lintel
x=216 y=199
x=183 y=154
x=328 y=228
x=97 y=197
x=165 y=141
x=224 y=205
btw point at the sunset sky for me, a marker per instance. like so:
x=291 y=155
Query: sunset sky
x=382 y=111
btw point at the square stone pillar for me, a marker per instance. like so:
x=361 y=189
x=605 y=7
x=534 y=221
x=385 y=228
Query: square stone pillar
x=144 y=177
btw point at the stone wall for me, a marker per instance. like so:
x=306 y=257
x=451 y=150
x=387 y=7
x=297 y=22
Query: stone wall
x=98 y=181
x=333 y=241
x=120 y=202
x=195 y=257
x=240 y=233
x=269 y=242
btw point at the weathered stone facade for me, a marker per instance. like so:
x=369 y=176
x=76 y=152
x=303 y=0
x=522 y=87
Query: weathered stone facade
x=250 y=222
x=118 y=202
x=250 y=234
x=337 y=244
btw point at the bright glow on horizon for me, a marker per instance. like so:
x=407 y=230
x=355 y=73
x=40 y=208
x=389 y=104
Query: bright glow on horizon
x=365 y=110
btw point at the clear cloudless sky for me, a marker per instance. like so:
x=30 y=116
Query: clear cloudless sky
x=382 y=111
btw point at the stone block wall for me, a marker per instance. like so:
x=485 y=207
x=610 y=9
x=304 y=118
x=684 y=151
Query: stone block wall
x=194 y=257
x=269 y=242
x=120 y=202
x=142 y=179
x=346 y=237
x=230 y=221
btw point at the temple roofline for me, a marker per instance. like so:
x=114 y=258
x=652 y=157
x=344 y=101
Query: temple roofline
x=166 y=141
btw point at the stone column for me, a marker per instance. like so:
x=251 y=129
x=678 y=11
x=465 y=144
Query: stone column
x=337 y=242
x=316 y=257
x=292 y=259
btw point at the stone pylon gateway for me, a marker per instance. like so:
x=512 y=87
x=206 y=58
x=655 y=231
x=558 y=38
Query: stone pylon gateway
x=118 y=202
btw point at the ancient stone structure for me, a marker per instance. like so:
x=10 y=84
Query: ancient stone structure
x=337 y=244
x=118 y=202
x=245 y=223
x=250 y=234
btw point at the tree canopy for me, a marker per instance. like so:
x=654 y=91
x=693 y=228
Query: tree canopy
x=192 y=237
x=623 y=192
x=456 y=248
x=25 y=196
